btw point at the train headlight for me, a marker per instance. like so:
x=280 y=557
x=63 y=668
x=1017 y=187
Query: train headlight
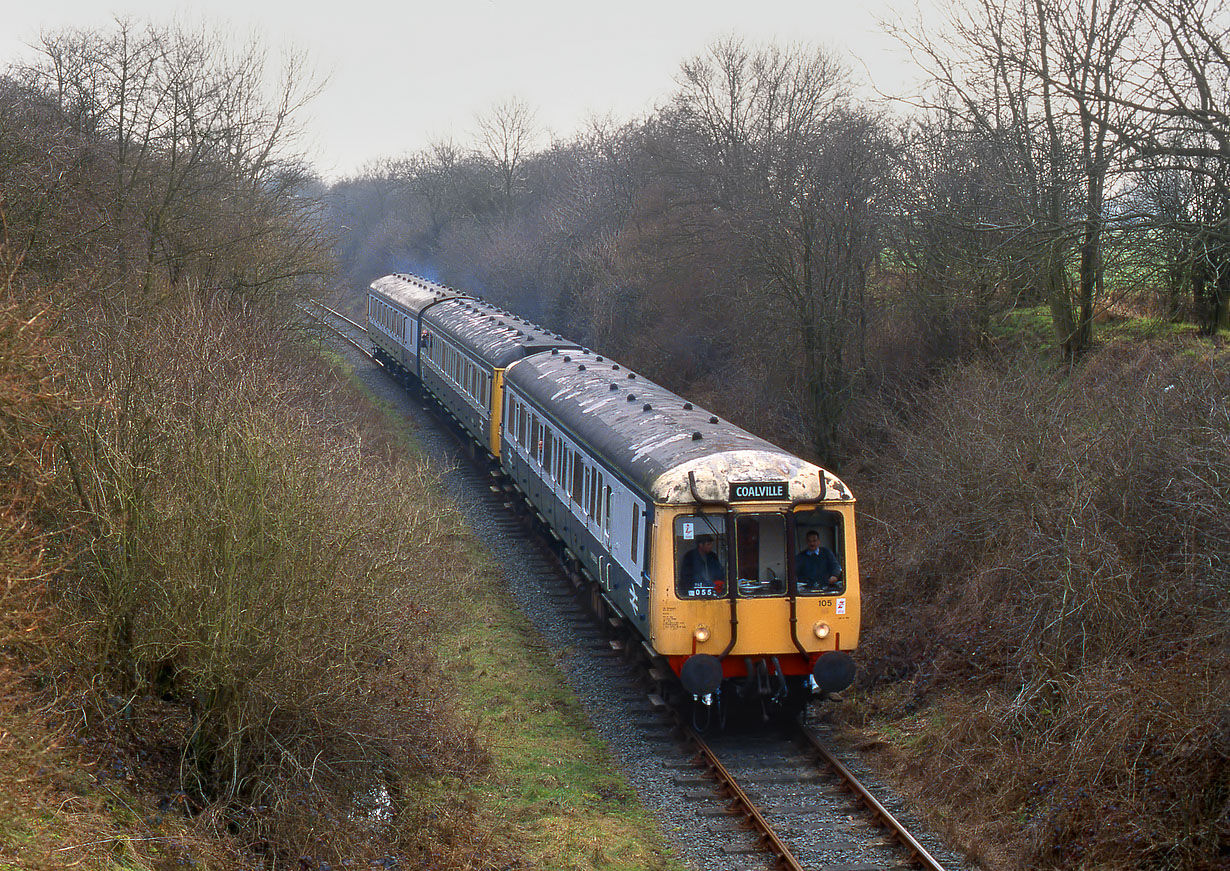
x=821 y=629
x=701 y=634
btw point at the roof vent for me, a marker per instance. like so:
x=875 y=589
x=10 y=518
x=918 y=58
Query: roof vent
x=616 y=366
x=581 y=368
x=713 y=420
x=687 y=406
x=632 y=397
x=647 y=407
x=599 y=359
x=697 y=436
x=554 y=352
x=567 y=359
x=632 y=375
x=614 y=386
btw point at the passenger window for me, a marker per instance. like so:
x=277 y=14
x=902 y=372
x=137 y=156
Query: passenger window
x=578 y=468
x=700 y=556
x=819 y=563
x=760 y=549
x=636 y=528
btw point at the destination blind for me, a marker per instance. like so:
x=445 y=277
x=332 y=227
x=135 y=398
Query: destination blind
x=759 y=491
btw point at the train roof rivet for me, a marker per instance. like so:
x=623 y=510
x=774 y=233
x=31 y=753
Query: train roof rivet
x=615 y=366
x=614 y=386
x=697 y=436
x=599 y=359
x=647 y=407
x=632 y=375
x=687 y=406
x=713 y=420
x=567 y=359
x=632 y=397
x=581 y=368
x=554 y=352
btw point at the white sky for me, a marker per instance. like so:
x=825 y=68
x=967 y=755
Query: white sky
x=404 y=74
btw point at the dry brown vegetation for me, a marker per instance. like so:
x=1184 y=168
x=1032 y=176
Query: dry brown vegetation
x=216 y=641
x=218 y=596
x=1049 y=579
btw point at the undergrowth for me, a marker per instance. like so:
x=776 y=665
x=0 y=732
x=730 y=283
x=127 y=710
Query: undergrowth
x=1049 y=607
x=220 y=602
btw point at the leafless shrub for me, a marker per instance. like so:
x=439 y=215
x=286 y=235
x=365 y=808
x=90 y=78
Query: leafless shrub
x=31 y=407
x=257 y=563
x=1050 y=568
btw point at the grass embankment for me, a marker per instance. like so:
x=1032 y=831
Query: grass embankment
x=1048 y=619
x=551 y=794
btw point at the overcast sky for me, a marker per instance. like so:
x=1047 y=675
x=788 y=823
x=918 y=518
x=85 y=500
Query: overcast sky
x=403 y=74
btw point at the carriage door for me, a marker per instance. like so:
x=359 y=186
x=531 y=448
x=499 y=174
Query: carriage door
x=604 y=511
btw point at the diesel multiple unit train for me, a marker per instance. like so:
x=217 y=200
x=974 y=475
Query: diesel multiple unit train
x=695 y=531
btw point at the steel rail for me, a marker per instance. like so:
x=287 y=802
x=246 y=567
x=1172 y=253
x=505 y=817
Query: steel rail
x=898 y=832
x=339 y=331
x=338 y=314
x=730 y=787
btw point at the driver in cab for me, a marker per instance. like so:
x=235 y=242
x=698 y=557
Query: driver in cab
x=701 y=574
x=817 y=568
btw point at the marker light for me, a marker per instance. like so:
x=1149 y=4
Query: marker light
x=821 y=629
x=702 y=634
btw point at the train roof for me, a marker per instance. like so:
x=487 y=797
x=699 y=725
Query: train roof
x=497 y=337
x=413 y=293
x=655 y=437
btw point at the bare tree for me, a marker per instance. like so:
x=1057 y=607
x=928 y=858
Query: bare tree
x=508 y=132
x=202 y=176
x=1040 y=80
x=953 y=231
x=1181 y=101
x=769 y=139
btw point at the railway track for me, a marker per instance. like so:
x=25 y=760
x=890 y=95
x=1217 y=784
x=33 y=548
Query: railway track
x=339 y=324
x=771 y=799
x=806 y=809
